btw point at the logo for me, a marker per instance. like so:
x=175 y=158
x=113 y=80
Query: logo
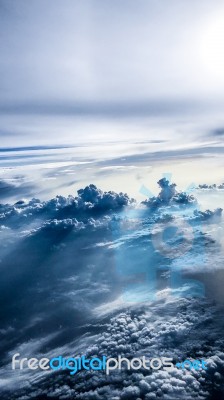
x=158 y=240
x=76 y=364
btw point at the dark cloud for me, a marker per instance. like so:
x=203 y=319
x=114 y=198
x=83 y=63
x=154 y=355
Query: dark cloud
x=214 y=186
x=101 y=109
x=184 y=333
x=218 y=132
x=90 y=200
x=11 y=190
x=208 y=215
x=157 y=156
x=31 y=148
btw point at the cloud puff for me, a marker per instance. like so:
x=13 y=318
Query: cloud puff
x=208 y=215
x=169 y=196
x=98 y=200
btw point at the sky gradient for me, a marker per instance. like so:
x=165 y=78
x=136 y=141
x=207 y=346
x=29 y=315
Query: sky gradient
x=70 y=53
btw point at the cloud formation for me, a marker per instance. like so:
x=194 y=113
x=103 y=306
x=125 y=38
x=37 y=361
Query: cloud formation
x=90 y=201
x=77 y=255
x=11 y=189
x=169 y=196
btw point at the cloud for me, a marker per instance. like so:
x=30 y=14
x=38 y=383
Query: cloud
x=214 y=186
x=15 y=189
x=99 y=200
x=139 y=331
x=218 y=132
x=30 y=148
x=169 y=196
x=164 y=155
x=208 y=215
x=67 y=262
x=90 y=201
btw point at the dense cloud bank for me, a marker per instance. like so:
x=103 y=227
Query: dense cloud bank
x=162 y=328
x=68 y=262
x=90 y=201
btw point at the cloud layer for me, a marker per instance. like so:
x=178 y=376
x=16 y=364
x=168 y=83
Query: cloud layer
x=75 y=265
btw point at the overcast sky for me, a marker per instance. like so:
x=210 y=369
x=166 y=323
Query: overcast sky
x=92 y=51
